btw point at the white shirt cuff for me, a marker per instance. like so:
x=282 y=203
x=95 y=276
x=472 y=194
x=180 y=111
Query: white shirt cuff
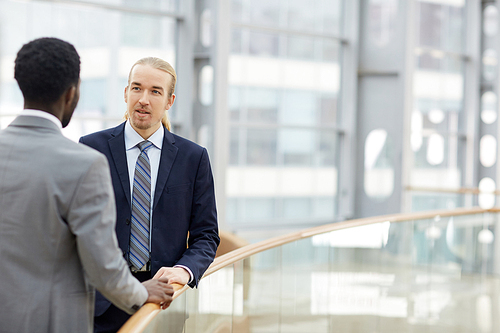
x=188 y=270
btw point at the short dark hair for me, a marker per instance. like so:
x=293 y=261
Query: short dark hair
x=45 y=68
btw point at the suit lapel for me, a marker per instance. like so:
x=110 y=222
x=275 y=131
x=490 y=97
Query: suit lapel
x=117 y=148
x=167 y=158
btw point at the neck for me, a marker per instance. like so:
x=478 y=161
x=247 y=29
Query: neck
x=42 y=107
x=146 y=133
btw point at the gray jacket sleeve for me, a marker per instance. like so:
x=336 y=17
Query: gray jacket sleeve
x=92 y=219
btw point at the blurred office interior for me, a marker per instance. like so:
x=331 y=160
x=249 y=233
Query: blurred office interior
x=312 y=111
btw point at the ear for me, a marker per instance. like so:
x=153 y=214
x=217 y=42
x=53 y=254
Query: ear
x=170 y=102
x=69 y=96
x=125 y=95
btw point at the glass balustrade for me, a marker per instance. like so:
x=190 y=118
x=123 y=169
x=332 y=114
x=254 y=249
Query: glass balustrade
x=438 y=274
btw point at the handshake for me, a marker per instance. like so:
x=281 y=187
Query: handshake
x=159 y=292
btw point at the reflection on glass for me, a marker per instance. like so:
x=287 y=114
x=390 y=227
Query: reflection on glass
x=379 y=170
x=488 y=150
x=490 y=20
x=489 y=107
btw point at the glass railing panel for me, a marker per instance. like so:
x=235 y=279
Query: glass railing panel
x=171 y=320
x=452 y=273
x=211 y=307
x=264 y=291
x=431 y=275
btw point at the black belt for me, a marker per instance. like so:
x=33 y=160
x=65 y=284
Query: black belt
x=142 y=276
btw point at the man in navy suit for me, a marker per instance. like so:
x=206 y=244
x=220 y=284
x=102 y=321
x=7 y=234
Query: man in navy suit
x=182 y=198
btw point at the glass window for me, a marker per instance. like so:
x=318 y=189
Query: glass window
x=296 y=146
x=382 y=21
x=107 y=51
x=490 y=20
x=440 y=25
x=206 y=83
x=262 y=105
x=438 y=97
x=261 y=147
x=206 y=28
x=302 y=48
x=299 y=108
x=263 y=44
x=283 y=102
x=488 y=107
x=488 y=150
x=263 y=12
x=490 y=61
x=379 y=167
x=487 y=187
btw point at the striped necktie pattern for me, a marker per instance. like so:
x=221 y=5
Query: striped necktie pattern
x=141 y=205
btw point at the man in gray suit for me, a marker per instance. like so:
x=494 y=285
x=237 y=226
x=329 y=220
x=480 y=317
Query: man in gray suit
x=57 y=209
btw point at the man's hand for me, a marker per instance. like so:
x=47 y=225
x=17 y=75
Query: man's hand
x=159 y=292
x=173 y=274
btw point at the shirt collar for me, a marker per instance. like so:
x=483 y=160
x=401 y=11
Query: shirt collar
x=41 y=114
x=132 y=138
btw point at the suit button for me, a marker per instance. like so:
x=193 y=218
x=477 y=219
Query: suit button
x=127 y=221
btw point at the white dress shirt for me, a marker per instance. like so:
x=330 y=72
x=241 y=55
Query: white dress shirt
x=132 y=138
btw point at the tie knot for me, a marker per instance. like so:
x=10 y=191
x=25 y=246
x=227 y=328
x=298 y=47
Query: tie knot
x=144 y=145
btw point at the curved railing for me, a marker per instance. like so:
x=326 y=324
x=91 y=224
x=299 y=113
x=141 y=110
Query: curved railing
x=314 y=275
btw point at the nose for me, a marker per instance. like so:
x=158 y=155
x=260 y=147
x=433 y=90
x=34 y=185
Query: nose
x=144 y=100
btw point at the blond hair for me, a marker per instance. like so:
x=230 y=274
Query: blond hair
x=162 y=65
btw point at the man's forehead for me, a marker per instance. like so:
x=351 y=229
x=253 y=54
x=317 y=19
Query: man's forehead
x=145 y=74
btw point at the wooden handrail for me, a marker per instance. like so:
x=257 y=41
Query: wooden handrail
x=136 y=323
x=460 y=190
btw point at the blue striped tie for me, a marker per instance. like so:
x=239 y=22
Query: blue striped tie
x=141 y=205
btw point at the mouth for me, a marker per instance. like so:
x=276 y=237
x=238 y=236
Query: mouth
x=142 y=111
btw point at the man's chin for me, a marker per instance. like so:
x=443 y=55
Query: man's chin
x=143 y=125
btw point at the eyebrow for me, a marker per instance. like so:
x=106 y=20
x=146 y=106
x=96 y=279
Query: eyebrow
x=154 y=87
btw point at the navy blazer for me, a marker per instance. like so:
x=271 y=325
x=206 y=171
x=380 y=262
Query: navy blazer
x=184 y=201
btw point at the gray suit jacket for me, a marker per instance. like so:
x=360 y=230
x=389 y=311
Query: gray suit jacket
x=57 y=232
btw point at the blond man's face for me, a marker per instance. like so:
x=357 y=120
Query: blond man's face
x=148 y=97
